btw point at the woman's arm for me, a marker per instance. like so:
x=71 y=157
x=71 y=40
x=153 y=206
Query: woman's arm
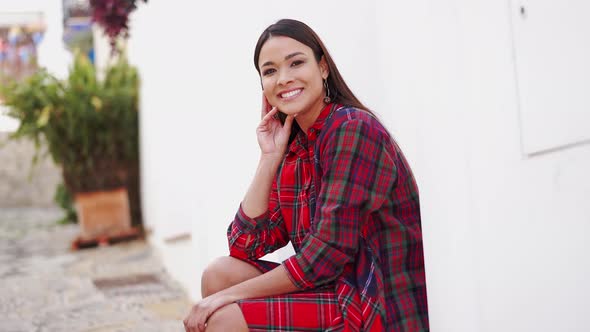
x=255 y=202
x=258 y=226
x=272 y=139
x=357 y=172
x=252 y=238
x=274 y=282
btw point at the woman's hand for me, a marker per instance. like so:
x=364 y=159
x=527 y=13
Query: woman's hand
x=196 y=321
x=272 y=135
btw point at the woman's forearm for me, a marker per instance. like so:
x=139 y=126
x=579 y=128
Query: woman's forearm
x=255 y=201
x=274 y=282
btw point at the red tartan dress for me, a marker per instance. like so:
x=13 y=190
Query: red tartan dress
x=346 y=199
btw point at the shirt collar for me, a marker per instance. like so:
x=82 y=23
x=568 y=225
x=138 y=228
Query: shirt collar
x=324 y=115
x=315 y=129
x=300 y=143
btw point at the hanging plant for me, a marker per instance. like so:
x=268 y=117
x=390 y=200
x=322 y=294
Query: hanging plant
x=113 y=17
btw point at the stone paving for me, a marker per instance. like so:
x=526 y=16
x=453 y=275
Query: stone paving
x=45 y=286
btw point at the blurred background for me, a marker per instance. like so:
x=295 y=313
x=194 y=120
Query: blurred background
x=489 y=100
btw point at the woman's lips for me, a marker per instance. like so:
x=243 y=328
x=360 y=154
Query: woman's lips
x=290 y=94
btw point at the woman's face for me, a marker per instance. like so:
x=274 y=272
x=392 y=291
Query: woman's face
x=291 y=77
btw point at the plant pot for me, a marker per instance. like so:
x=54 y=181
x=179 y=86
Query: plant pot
x=103 y=214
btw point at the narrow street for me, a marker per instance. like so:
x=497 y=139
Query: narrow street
x=45 y=286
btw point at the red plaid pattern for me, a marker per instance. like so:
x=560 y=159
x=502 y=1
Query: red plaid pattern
x=346 y=199
x=314 y=310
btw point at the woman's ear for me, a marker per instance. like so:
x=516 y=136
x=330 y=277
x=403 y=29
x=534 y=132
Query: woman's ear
x=325 y=71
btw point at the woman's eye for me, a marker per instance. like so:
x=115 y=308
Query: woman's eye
x=268 y=72
x=296 y=63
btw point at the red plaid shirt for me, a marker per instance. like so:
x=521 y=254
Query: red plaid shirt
x=347 y=200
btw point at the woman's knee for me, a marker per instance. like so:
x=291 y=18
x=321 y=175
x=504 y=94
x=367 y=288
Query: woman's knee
x=224 y=272
x=214 y=276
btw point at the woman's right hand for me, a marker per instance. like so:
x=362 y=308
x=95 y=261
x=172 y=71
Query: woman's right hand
x=272 y=135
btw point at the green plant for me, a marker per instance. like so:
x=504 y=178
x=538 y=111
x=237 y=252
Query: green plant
x=90 y=125
x=64 y=200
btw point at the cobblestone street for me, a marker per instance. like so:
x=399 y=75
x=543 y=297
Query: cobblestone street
x=44 y=286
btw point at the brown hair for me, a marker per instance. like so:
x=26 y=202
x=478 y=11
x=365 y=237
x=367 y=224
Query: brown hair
x=339 y=92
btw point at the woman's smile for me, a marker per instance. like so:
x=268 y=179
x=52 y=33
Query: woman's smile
x=290 y=94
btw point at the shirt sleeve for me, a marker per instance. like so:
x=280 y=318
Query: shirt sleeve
x=358 y=172
x=252 y=238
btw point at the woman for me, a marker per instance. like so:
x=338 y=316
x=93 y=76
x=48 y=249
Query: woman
x=332 y=181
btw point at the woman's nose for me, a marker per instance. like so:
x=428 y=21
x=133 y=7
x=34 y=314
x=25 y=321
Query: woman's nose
x=284 y=77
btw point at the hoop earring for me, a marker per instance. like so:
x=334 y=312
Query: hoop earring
x=327 y=98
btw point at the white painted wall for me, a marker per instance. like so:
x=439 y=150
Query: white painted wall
x=555 y=67
x=504 y=232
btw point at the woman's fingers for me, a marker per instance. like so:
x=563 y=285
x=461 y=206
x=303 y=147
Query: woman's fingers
x=196 y=320
x=288 y=123
x=202 y=322
x=270 y=114
x=187 y=322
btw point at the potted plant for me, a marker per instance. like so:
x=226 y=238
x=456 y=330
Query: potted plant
x=90 y=127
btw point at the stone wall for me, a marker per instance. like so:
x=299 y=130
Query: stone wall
x=21 y=183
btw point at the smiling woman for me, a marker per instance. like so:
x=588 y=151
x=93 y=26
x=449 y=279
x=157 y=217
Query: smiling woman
x=332 y=181
x=292 y=79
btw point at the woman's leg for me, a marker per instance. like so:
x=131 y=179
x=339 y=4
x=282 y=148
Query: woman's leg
x=225 y=272
x=220 y=274
x=228 y=318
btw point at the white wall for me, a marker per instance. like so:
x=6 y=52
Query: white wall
x=555 y=67
x=504 y=232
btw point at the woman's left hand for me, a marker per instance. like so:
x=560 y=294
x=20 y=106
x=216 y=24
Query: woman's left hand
x=196 y=321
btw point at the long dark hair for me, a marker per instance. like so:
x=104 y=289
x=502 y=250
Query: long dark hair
x=339 y=92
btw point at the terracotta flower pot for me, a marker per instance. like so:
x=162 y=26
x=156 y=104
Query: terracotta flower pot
x=103 y=213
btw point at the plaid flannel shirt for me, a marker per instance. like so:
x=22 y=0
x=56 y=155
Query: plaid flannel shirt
x=346 y=199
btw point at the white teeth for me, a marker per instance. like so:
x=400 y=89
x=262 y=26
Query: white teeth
x=290 y=94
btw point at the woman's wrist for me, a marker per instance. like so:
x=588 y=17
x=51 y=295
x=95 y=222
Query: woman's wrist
x=229 y=295
x=270 y=161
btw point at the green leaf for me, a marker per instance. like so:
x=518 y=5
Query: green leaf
x=44 y=117
x=96 y=102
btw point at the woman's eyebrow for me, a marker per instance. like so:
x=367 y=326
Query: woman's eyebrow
x=268 y=63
